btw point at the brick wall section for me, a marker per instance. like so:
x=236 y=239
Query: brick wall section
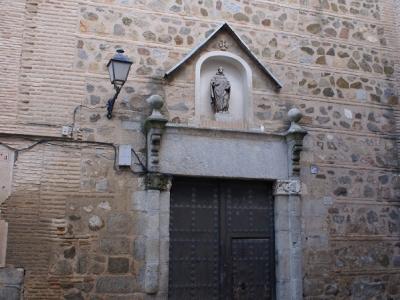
x=338 y=62
x=11 y=40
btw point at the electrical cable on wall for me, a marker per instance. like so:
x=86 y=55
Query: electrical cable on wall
x=17 y=151
x=76 y=109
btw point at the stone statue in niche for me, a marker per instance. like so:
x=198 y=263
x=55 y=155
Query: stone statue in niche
x=220 y=92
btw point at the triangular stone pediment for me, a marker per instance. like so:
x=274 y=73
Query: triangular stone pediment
x=228 y=29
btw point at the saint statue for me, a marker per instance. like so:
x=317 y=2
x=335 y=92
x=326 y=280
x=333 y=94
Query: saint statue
x=220 y=92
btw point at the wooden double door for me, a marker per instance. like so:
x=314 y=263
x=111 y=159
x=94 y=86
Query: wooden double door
x=221 y=240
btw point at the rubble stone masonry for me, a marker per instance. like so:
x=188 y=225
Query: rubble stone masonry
x=74 y=224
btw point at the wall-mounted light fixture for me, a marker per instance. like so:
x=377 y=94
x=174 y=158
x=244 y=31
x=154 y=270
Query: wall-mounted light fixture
x=118 y=68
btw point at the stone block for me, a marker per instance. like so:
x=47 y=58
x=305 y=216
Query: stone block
x=153 y=225
x=73 y=294
x=282 y=222
x=152 y=276
x=164 y=225
x=139 y=248
x=314 y=287
x=70 y=252
x=165 y=201
x=82 y=264
x=140 y=273
x=283 y=265
x=118 y=265
x=8 y=293
x=102 y=185
x=282 y=240
x=295 y=229
x=163 y=280
x=138 y=201
x=211 y=154
x=281 y=204
x=314 y=207
x=153 y=250
x=153 y=200
x=116 y=284
x=365 y=289
x=97 y=268
x=294 y=206
x=164 y=250
x=315 y=225
x=11 y=276
x=11 y=281
x=296 y=263
x=141 y=223
x=62 y=267
x=283 y=290
x=114 y=246
x=129 y=125
x=119 y=223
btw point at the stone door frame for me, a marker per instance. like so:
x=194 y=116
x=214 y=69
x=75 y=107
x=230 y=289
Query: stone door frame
x=174 y=150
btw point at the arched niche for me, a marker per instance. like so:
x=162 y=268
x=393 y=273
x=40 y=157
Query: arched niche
x=239 y=74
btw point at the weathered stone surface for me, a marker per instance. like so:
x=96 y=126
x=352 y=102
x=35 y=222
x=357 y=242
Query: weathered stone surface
x=11 y=276
x=170 y=156
x=114 y=245
x=120 y=223
x=70 y=252
x=62 y=267
x=73 y=294
x=9 y=294
x=115 y=284
x=95 y=223
x=118 y=265
x=139 y=249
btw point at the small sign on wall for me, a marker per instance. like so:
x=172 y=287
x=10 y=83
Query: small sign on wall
x=314 y=169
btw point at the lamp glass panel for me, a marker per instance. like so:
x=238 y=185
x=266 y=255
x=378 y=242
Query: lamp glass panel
x=121 y=71
x=111 y=72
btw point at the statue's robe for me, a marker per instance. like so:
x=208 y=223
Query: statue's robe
x=220 y=93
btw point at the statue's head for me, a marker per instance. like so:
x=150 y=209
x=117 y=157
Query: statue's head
x=220 y=70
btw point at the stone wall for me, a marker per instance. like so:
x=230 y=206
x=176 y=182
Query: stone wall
x=74 y=223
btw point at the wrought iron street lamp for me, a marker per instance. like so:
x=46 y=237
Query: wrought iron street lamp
x=118 y=69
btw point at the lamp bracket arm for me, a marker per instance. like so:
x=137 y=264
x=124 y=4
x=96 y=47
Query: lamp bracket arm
x=111 y=101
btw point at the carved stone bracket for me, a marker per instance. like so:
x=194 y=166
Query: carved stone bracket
x=287 y=187
x=294 y=138
x=154 y=126
x=157 y=181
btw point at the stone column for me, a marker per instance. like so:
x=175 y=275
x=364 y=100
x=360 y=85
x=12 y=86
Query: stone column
x=152 y=201
x=288 y=253
x=288 y=217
